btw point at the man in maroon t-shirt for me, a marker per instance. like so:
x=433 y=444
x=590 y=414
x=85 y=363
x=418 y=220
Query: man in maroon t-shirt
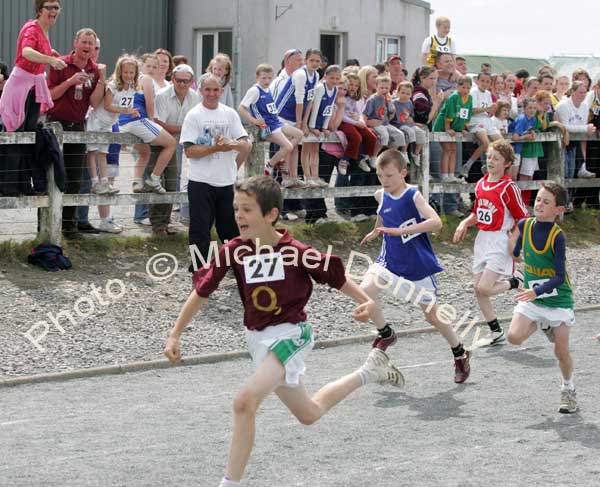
x=74 y=89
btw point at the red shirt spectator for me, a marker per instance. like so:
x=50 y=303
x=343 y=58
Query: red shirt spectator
x=33 y=36
x=67 y=108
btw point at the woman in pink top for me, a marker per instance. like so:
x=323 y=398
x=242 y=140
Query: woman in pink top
x=26 y=90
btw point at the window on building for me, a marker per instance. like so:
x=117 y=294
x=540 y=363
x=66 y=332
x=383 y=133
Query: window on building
x=388 y=46
x=208 y=44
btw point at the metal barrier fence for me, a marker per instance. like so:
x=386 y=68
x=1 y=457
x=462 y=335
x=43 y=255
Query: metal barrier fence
x=51 y=205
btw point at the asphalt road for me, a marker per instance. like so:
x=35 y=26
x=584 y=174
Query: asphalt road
x=172 y=427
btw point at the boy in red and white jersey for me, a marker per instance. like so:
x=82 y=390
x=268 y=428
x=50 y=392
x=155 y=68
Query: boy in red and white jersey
x=498 y=206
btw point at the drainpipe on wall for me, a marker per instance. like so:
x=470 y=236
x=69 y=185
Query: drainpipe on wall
x=237 y=51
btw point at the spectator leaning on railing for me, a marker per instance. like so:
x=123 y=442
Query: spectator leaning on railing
x=74 y=89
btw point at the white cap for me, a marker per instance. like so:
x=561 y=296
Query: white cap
x=183 y=68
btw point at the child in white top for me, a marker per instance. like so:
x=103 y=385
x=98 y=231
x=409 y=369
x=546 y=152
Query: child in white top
x=222 y=67
x=481 y=124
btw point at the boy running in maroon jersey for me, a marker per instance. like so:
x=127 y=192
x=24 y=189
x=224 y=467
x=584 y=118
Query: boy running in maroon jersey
x=273 y=273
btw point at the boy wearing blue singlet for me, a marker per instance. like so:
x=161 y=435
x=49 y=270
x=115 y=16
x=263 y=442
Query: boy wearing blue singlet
x=547 y=296
x=406 y=265
x=258 y=108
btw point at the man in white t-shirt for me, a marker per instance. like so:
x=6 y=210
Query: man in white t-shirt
x=211 y=134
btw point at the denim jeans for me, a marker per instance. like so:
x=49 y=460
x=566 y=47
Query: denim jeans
x=142 y=210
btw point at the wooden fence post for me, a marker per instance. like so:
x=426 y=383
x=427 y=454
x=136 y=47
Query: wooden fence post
x=51 y=217
x=255 y=163
x=556 y=166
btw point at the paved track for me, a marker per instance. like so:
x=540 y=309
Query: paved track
x=172 y=427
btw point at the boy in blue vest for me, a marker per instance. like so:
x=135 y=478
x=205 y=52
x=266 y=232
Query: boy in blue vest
x=547 y=296
x=406 y=265
x=258 y=108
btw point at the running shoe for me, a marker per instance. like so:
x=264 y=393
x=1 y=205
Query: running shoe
x=462 y=368
x=495 y=338
x=383 y=343
x=378 y=368
x=568 y=402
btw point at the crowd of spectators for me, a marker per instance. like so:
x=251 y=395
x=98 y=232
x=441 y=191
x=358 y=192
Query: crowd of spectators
x=193 y=138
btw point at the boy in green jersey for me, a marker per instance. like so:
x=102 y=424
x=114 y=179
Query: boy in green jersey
x=454 y=117
x=547 y=296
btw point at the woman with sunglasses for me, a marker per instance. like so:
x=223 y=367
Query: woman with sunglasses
x=26 y=91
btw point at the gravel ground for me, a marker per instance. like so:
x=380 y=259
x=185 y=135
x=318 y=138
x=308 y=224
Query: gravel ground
x=133 y=327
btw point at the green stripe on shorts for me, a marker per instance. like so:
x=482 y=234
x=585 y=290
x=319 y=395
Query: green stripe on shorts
x=286 y=348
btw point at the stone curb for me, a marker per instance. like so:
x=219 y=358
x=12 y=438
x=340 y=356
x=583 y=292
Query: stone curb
x=208 y=358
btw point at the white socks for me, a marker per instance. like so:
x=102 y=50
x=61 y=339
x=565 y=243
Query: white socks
x=568 y=385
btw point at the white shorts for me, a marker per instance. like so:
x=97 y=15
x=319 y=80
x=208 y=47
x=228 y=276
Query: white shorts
x=529 y=165
x=517 y=162
x=546 y=317
x=286 y=122
x=423 y=291
x=112 y=171
x=289 y=343
x=145 y=129
x=491 y=253
x=94 y=125
x=483 y=125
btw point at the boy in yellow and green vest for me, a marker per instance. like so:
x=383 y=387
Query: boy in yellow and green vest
x=439 y=42
x=547 y=296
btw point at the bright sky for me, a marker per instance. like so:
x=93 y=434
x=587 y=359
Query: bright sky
x=522 y=28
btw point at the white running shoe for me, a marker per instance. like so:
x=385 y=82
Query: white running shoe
x=373 y=162
x=101 y=188
x=497 y=337
x=364 y=165
x=138 y=186
x=584 y=173
x=109 y=227
x=568 y=402
x=378 y=368
x=321 y=183
x=153 y=184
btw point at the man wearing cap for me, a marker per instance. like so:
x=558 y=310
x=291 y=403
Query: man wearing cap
x=396 y=69
x=172 y=105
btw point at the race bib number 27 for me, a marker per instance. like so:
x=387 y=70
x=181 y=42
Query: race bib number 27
x=263 y=268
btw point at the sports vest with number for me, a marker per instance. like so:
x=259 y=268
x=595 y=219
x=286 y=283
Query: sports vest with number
x=325 y=107
x=286 y=100
x=539 y=268
x=409 y=256
x=265 y=109
x=491 y=211
x=437 y=46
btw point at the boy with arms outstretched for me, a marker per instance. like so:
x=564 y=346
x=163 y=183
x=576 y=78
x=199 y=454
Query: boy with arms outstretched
x=274 y=287
x=547 y=297
x=406 y=265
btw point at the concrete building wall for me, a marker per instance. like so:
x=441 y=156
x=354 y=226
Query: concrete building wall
x=259 y=37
